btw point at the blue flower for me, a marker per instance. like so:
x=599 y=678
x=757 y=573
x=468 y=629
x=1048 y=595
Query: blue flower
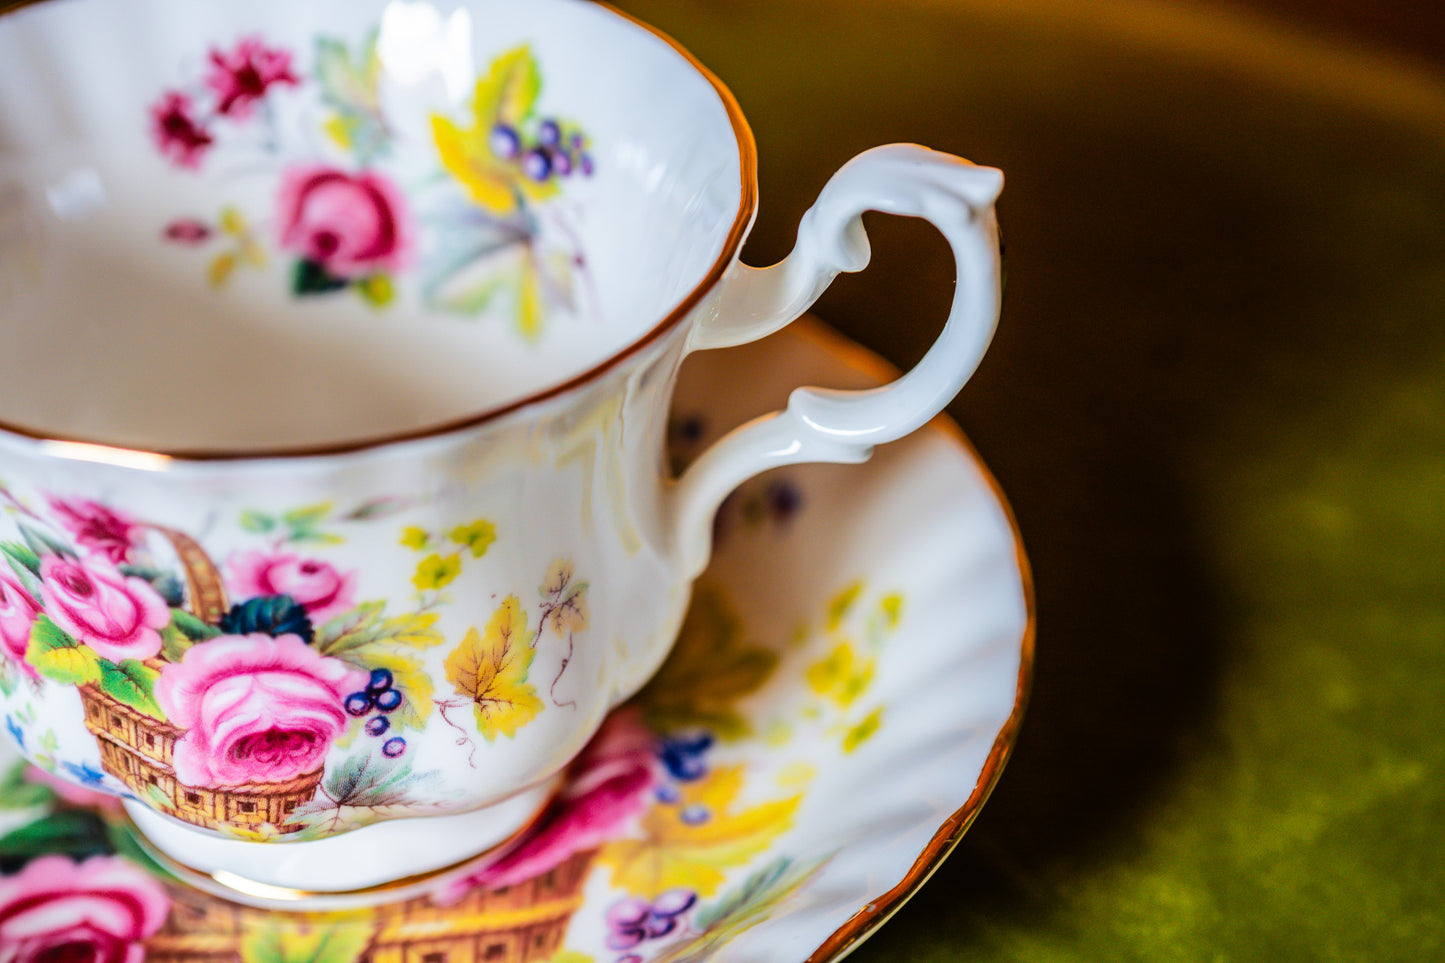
x=16 y=733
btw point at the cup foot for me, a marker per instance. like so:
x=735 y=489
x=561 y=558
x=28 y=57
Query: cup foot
x=376 y=864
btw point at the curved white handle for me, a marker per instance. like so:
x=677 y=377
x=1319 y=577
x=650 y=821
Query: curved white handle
x=843 y=426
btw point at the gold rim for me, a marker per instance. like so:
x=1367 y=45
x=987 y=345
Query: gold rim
x=88 y=449
x=878 y=910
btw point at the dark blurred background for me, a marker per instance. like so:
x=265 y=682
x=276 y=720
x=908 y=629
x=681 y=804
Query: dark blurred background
x=1216 y=402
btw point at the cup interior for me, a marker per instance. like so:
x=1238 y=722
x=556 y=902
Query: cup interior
x=267 y=225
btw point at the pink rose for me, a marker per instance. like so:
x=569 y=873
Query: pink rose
x=177 y=133
x=98 y=911
x=96 y=527
x=18 y=609
x=607 y=785
x=351 y=225
x=241 y=77
x=315 y=585
x=119 y=616
x=256 y=709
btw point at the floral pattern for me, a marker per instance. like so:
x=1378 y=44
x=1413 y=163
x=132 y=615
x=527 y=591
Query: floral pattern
x=688 y=845
x=270 y=693
x=100 y=910
x=464 y=219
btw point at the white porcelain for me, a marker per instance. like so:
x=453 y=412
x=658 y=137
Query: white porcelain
x=830 y=785
x=340 y=342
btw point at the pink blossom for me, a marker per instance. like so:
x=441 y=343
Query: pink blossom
x=241 y=77
x=118 y=616
x=607 y=785
x=256 y=709
x=97 y=527
x=176 y=132
x=187 y=230
x=18 y=610
x=351 y=225
x=315 y=585
x=99 y=911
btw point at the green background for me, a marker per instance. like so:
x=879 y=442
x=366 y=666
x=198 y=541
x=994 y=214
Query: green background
x=1217 y=404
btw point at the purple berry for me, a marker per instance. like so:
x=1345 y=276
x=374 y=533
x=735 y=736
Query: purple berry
x=537 y=164
x=585 y=165
x=658 y=926
x=694 y=815
x=504 y=142
x=628 y=913
x=358 y=703
x=562 y=163
x=667 y=794
x=380 y=680
x=377 y=725
x=393 y=747
x=674 y=902
x=549 y=134
x=388 y=700
x=629 y=958
x=626 y=939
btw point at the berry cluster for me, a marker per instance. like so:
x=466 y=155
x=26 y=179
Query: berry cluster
x=379 y=695
x=684 y=759
x=555 y=151
x=632 y=921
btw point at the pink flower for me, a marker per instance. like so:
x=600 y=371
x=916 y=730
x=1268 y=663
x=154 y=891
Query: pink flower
x=98 y=911
x=118 y=616
x=176 y=132
x=351 y=225
x=256 y=709
x=242 y=77
x=18 y=610
x=607 y=785
x=96 y=527
x=315 y=585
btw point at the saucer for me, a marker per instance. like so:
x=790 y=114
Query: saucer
x=843 y=697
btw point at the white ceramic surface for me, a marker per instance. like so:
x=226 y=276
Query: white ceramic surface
x=872 y=636
x=277 y=601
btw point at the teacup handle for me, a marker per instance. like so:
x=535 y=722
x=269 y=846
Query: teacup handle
x=825 y=425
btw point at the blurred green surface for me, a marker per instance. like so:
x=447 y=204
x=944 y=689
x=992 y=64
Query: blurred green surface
x=1217 y=404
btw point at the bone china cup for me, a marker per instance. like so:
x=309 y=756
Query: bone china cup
x=339 y=344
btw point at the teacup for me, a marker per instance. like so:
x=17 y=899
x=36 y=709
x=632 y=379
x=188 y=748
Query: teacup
x=340 y=343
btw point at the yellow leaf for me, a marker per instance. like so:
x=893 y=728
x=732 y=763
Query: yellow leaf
x=434 y=571
x=490 y=668
x=377 y=290
x=337 y=128
x=509 y=90
x=467 y=156
x=233 y=221
x=531 y=311
x=559 y=576
x=478 y=536
x=892 y=605
x=863 y=730
x=409 y=676
x=414 y=538
x=841 y=675
x=839 y=605
x=220 y=269
x=694 y=842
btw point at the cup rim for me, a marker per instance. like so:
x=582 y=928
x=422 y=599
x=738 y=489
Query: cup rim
x=89 y=449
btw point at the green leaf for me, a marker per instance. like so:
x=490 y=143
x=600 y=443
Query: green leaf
x=132 y=683
x=321 y=939
x=21 y=557
x=17 y=792
x=43 y=543
x=69 y=832
x=309 y=277
x=307 y=516
x=258 y=523
x=192 y=627
x=59 y=657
